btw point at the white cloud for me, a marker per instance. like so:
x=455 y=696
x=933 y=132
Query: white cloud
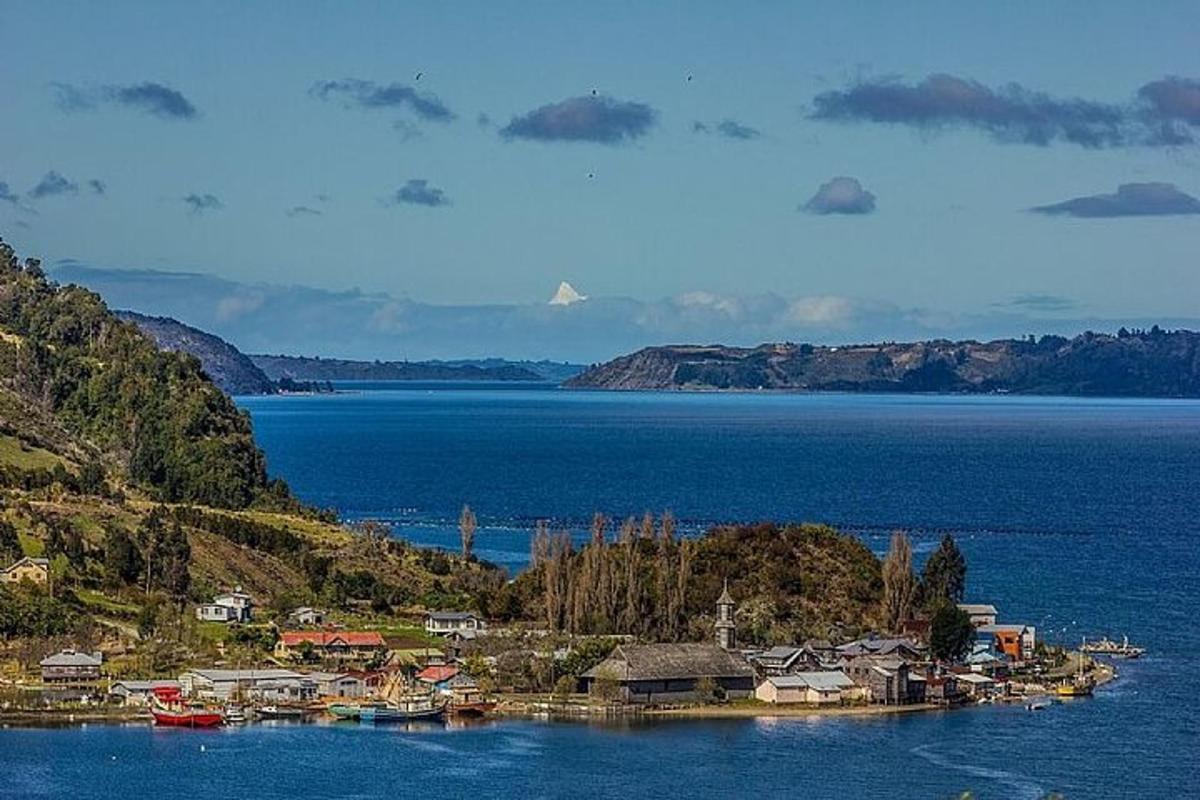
x=820 y=310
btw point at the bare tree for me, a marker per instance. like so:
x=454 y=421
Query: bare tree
x=466 y=530
x=899 y=583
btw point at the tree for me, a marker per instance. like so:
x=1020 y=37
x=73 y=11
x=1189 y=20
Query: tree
x=606 y=686
x=122 y=561
x=150 y=536
x=466 y=530
x=899 y=583
x=175 y=559
x=950 y=633
x=10 y=543
x=944 y=578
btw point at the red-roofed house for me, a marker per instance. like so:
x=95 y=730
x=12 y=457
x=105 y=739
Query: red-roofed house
x=437 y=677
x=346 y=645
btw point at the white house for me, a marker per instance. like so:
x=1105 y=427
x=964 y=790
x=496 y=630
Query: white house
x=444 y=622
x=306 y=615
x=235 y=606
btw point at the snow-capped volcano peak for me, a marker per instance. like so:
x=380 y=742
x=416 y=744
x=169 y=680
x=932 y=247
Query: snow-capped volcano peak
x=566 y=295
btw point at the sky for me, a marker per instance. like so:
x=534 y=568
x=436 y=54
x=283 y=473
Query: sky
x=788 y=170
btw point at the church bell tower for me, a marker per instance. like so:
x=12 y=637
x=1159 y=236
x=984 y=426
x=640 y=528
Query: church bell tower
x=725 y=625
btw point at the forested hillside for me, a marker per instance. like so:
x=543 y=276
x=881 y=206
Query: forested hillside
x=81 y=383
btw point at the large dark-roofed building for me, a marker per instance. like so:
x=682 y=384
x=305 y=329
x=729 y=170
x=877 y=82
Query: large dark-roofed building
x=670 y=673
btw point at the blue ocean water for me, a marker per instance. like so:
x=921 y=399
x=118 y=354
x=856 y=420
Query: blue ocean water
x=1078 y=516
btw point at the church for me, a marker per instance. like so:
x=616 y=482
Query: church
x=649 y=674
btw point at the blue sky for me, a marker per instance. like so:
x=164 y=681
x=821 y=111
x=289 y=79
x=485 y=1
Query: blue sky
x=205 y=124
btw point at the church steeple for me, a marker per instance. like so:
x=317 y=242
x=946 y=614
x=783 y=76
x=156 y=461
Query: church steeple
x=725 y=625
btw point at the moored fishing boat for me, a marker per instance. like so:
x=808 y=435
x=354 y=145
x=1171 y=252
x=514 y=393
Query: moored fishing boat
x=405 y=708
x=1107 y=647
x=279 y=712
x=169 y=709
x=348 y=711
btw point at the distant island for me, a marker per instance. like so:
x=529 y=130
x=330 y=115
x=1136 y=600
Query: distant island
x=1138 y=363
x=315 y=368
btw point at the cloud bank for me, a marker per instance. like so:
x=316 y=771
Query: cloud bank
x=1163 y=113
x=298 y=320
x=149 y=97
x=1130 y=200
x=841 y=196
x=599 y=119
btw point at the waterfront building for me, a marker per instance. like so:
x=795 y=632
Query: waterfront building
x=70 y=666
x=137 y=693
x=976 y=685
x=339 y=684
x=34 y=570
x=445 y=622
x=815 y=688
x=341 y=645
x=438 y=677
x=671 y=673
x=885 y=678
x=273 y=685
x=980 y=613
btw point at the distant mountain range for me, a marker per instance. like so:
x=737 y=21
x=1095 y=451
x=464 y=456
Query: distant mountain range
x=340 y=369
x=1152 y=363
x=238 y=374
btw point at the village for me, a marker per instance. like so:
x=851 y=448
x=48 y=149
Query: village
x=311 y=665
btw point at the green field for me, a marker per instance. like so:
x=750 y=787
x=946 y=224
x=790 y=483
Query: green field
x=15 y=453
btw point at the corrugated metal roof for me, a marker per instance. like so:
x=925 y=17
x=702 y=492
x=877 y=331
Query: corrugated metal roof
x=821 y=681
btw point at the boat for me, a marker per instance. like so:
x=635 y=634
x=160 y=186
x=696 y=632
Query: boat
x=419 y=709
x=1107 y=647
x=1039 y=704
x=169 y=709
x=1080 y=685
x=476 y=709
x=348 y=711
x=279 y=712
x=1076 y=687
x=235 y=715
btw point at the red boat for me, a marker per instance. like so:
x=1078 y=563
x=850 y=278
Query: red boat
x=168 y=707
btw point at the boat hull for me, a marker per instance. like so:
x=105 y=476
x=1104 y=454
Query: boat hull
x=384 y=715
x=187 y=719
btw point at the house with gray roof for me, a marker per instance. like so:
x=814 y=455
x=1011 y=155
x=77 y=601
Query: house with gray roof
x=70 y=666
x=273 y=685
x=671 y=673
x=815 y=688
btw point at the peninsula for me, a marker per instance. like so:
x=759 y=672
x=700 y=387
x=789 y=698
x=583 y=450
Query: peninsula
x=1152 y=363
